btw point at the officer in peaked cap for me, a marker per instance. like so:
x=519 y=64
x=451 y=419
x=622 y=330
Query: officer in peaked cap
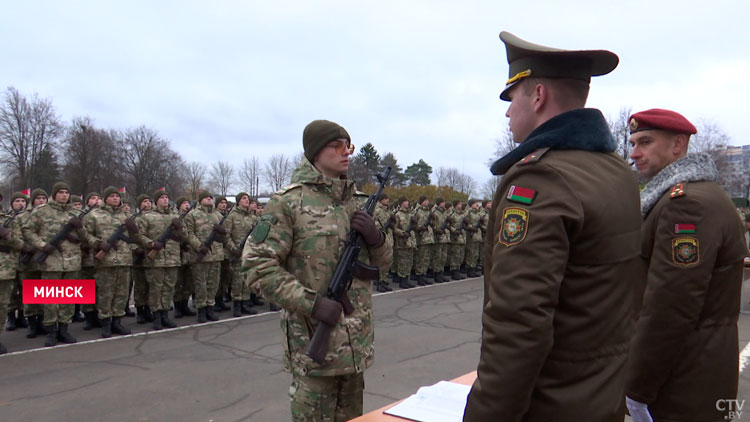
x=557 y=317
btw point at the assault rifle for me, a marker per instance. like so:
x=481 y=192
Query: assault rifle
x=211 y=237
x=347 y=268
x=244 y=240
x=410 y=227
x=4 y=248
x=390 y=221
x=115 y=238
x=167 y=234
x=426 y=223
x=61 y=236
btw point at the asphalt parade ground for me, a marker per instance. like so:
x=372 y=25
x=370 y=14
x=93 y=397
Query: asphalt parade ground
x=230 y=370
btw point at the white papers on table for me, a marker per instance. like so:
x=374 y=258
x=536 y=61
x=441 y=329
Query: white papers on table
x=442 y=402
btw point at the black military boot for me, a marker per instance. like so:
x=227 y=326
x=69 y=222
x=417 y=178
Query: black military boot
x=51 y=339
x=246 y=306
x=380 y=287
x=10 y=325
x=157 y=321
x=427 y=281
x=210 y=314
x=91 y=321
x=129 y=312
x=403 y=283
x=257 y=301
x=140 y=312
x=386 y=286
x=186 y=309
x=219 y=305
x=201 y=315
x=165 y=321
x=148 y=314
x=77 y=314
x=35 y=326
x=178 y=309
x=412 y=276
x=236 y=308
x=3 y=350
x=21 y=319
x=64 y=336
x=273 y=308
x=420 y=280
x=118 y=328
x=106 y=324
x=472 y=273
x=457 y=275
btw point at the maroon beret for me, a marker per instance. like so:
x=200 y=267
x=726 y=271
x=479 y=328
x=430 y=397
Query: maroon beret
x=657 y=118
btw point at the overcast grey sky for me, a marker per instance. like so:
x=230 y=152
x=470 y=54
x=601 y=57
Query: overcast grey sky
x=226 y=80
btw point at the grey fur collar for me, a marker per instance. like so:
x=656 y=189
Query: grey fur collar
x=692 y=168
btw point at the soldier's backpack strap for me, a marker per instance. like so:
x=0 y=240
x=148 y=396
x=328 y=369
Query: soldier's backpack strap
x=533 y=157
x=678 y=190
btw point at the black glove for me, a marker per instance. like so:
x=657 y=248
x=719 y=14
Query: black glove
x=4 y=232
x=237 y=253
x=156 y=245
x=48 y=249
x=105 y=246
x=175 y=236
x=27 y=249
x=131 y=226
x=365 y=225
x=76 y=222
x=73 y=239
x=406 y=235
x=440 y=231
x=220 y=229
x=203 y=250
x=177 y=224
x=139 y=252
x=184 y=247
x=327 y=310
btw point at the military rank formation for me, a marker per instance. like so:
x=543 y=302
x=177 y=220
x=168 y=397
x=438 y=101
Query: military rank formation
x=164 y=253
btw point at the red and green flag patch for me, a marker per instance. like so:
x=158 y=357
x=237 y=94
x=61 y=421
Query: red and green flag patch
x=521 y=195
x=684 y=228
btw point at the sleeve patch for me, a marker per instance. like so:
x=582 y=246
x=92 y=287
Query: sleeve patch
x=521 y=195
x=685 y=251
x=513 y=226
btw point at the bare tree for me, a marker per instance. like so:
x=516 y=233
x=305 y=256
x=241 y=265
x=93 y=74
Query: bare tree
x=249 y=176
x=150 y=162
x=221 y=174
x=195 y=173
x=456 y=180
x=620 y=128
x=712 y=139
x=278 y=171
x=93 y=158
x=490 y=187
x=503 y=145
x=29 y=130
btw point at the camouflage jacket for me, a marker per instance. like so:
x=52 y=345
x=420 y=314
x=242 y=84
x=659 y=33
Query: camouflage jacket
x=456 y=217
x=87 y=252
x=424 y=234
x=10 y=247
x=44 y=222
x=399 y=228
x=485 y=216
x=238 y=224
x=439 y=216
x=199 y=222
x=100 y=224
x=31 y=265
x=291 y=256
x=382 y=215
x=473 y=226
x=151 y=225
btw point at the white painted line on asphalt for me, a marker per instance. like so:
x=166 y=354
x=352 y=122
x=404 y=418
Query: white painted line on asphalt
x=397 y=289
x=745 y=357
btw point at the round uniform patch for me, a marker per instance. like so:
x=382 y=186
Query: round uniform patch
x=513 y=227
x=260 y=232
x=685 y=251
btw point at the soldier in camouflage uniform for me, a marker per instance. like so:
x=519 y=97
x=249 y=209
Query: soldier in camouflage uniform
x=11 y=243
x=15 y=305
x=292 y=256
x=425 y=240
x=138 y=270
x=112 y=262
x=456 y=250
x=404 y=244
x=473 y=237
x=225 y=271
x=44 y=222
x=485 y=214
x=384 y=218
x=442 y=237
x=184 y=287
x=28 y=269
x=163 y=259
x=90 y=314
x=238 y=224
x=200 y=221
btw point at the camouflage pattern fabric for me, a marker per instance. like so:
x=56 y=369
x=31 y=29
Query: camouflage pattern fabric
x=293 y=254
x=423 y=230
x=422 y=258
x=327 y=399
x=238 y=224
x=6 y=287
x=100 y=224
x=199 y=222
x=11 y=247
x=456 y=253
x=44 y=222
x=382 y=215
x=140 y=286
x=89 y=273
x=439 y=257
x=152 y=224
x=161 y=282
x=205 y=282
x=53 y=313
x=31 y=309
x=112 y=284
x=184 y=287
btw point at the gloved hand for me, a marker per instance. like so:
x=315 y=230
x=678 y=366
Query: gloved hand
x=4 y=232
x=27 y=249
x=406 y=235
x=76 y=222
x=156 y=245
x=131 y=226
x=105 y=246
x=237 y=252
x=48 y=249
x=365 y=225
x=139 y=252
x=203 y=250
x=177 y=224
x=73 y=239
x=327 y=310
x=638 y=411
x=220 y=229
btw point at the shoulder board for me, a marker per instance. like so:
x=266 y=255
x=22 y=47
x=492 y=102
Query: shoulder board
x=533 y=157
x=288 y=188
x=678 y=190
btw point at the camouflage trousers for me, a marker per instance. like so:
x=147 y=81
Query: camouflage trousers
x=6 y=289
x=206 y=279
x=456 y=253
x=402 y=260
x=327 y=399
x=55 y=313
x=472 y=254
x=16 y=301
x=481 y=253
x=183 y=289
x=161 y=282
x=422 y=259
x=439 y=257
x=140 y=286
x=240 y=287
x=88 y=273
x=112 y=291
x=32 y=309
x=225 y=277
